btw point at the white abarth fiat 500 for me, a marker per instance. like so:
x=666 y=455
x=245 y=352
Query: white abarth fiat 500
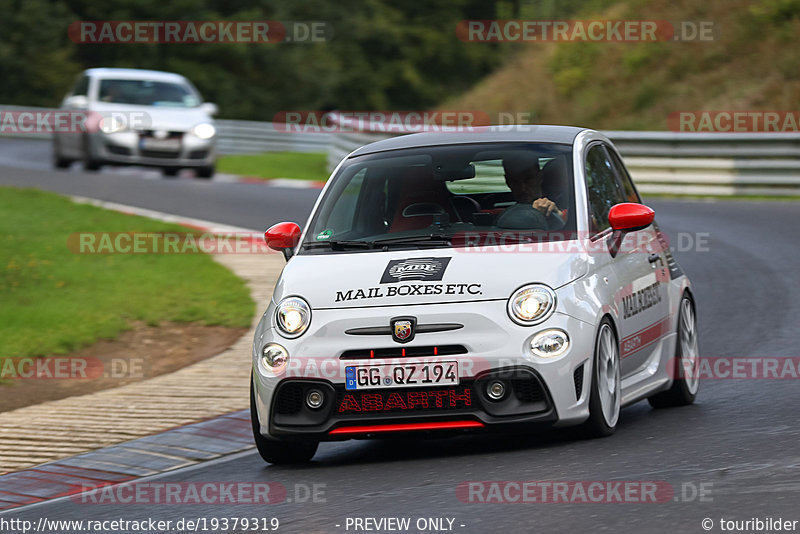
x=459 y=282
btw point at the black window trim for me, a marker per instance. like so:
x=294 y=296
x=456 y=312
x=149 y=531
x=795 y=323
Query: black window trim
x=612 y=152
x=603 y=145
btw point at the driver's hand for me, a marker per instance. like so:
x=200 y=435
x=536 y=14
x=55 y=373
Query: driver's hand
x=545 y=205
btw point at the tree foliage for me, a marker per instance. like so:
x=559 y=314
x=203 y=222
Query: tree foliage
x=384 y=54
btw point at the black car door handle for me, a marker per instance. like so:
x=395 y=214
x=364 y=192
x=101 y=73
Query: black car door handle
x=652 y=258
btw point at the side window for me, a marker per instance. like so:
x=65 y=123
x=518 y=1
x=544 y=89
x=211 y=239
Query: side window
x=625 y=179
x=602 y=186
x=81 y=87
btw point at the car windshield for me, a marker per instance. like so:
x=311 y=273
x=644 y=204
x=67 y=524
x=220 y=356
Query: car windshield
x=445 y=196
x=148 y=93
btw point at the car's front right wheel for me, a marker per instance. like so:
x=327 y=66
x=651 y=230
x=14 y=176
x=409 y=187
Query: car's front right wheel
x=605 y=396
x=89 y=162
x=59 y=161
x=278 y=452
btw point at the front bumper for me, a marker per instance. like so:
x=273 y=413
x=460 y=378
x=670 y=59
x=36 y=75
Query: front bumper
x=552 y=391
x=126 y=148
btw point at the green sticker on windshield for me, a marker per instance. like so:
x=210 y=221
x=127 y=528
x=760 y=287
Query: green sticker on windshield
x=324 y=235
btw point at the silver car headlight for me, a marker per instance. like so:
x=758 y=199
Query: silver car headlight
x=531 y=304
x=204 y=130
x=112 y=124
x=550 y=343
x=292 y=316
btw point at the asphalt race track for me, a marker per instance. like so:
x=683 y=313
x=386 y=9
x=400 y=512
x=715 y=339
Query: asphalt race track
x=739 y=443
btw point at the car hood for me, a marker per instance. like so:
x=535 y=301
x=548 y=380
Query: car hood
x=156 y=118
x=421 y=276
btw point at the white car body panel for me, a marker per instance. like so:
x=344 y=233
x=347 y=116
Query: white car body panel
x=590 y=284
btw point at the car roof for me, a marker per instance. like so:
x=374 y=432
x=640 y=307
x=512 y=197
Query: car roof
x=527 y=133
x=135 y=74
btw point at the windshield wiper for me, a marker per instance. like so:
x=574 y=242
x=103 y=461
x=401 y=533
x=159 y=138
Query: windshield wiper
x=334 y=244
x=430 y=239
x=338 y=244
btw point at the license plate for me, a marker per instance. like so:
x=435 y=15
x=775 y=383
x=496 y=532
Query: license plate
x=168 y=145
x=401 y=375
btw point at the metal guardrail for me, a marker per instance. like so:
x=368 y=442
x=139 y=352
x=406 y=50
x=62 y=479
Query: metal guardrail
x=235 y=137
x=660 y=162
x=251 y=137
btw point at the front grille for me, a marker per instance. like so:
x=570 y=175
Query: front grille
x=527 y=389
x=170 y=135
x=163 y=154
x=118 y=150
x=405 y=400
x=403 y=352
x=577 y=377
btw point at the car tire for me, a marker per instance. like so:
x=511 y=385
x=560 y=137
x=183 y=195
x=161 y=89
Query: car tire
x=605 y=395
x=687 y=356
x=89 y=163
x=170 y=171
x=205 y=172
x=59 y=161
x=275 y=451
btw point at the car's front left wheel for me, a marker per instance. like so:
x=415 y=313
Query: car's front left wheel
x=205 y=172
x=686 y=363
x=278 y=452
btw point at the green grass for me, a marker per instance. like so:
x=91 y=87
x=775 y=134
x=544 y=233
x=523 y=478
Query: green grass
x=300 y=166
x=53 y=300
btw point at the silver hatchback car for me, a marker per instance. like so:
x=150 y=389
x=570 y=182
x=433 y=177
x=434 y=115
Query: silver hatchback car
x=138 y=117
x=453 y=282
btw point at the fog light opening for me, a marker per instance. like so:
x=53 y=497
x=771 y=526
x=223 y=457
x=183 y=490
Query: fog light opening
x=315 y=399
x=496 y=390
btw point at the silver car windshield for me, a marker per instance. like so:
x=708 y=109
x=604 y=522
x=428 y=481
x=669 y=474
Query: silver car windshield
x=439 y=196
x=147 y=93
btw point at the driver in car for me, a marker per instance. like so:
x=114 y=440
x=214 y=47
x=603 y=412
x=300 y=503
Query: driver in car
x=532 y=210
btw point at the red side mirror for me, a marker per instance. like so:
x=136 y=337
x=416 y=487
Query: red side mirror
x=283 y=236
x=630 y=216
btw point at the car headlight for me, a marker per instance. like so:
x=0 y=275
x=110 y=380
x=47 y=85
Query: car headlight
x=112 y=124
x=531 y=304
x=550 y=343
x=274 y=357
x=204 y=130
x=292 y=316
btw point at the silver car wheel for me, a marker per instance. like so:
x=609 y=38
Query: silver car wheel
x=690 y=355
x=608 y=380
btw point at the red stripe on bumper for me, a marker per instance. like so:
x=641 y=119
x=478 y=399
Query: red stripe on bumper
x=404 y=427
